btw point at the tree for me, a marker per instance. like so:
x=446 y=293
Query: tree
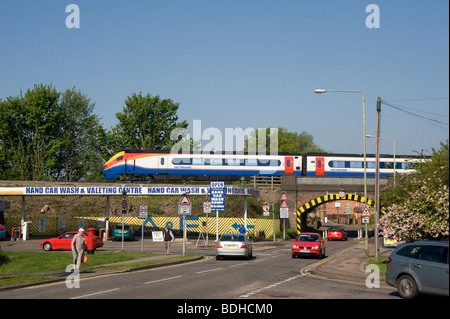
x=418 y=207
x=78 y=137
x=146 y=123
x=289 y=142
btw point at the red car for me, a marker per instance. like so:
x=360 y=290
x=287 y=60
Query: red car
x=308 y=244
x=336 y=234
x=64 y=241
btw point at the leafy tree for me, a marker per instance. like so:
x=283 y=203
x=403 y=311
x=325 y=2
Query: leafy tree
x=418 y=207
x=289 y=142
x=146 y=123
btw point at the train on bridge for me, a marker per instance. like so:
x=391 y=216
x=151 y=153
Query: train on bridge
x=144 y=165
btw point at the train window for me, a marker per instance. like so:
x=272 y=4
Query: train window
x=215 y=161
x=119 y=158
x=356 y=164
x=370 y=164
x=267 y=162
x=162 y=160
x=319 y=164
x=181 y=161
x=337 y=164
x=198 y=161
x=234 y=162
x=251 y=162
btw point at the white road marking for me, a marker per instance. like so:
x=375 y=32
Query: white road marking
x=159 y=280
x=96 y=293
x=208 y=270
x=251 y=293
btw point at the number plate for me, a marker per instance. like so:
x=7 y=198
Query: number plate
x=304 y=251
x=231 y=246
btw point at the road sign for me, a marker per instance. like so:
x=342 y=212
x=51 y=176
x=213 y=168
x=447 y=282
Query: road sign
x=341 y=194
x=217 y=192
x=283 y=197
x=184 y=205
x=266 y=208
x=207 y=207
x=284 y=204
x=366 y=212
x=284 y=209
x=365 y=220
x=143 y=210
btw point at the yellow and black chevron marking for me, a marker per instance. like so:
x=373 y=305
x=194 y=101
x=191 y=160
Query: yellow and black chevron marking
x=306 y=208
x=54 y=226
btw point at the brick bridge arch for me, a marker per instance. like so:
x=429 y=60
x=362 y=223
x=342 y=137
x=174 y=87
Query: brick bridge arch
x=303 y=210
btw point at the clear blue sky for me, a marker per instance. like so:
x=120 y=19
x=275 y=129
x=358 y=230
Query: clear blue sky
x=246 y=63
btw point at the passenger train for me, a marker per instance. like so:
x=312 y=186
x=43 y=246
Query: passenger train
x=139 y=164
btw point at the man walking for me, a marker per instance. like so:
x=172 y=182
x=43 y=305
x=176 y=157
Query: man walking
x=168 y=238
x=78 y=246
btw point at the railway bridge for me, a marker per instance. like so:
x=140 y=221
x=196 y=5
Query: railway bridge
x=318 y=196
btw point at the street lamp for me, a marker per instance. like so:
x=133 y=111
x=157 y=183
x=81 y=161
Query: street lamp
x=393 y=140
x=321 y=91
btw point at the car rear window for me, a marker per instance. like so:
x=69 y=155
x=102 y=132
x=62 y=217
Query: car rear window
x=232 y=238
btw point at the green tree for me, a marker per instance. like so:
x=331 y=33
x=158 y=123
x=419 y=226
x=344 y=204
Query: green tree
x=78 y=136
x=146 y=123
x=289 y=142
x=418 y=207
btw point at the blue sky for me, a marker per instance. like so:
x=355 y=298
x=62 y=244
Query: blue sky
x=245 y=63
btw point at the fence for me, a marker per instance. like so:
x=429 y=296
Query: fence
x=48 y=227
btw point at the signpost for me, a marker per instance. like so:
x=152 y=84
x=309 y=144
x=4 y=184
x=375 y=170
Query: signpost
x=143 y=213
x=184 y=208
x=217 y=198
x=207 y=211
x=284 y=212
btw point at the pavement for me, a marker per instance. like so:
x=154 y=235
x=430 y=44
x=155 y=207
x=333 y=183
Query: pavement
x=346 y=266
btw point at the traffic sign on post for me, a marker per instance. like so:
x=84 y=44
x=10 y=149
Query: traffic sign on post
x=143 y=210
x=217 y=191
x=366 y=212
x=207 y=207
x=184 y=205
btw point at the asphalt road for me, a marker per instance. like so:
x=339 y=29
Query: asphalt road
x=270 y=274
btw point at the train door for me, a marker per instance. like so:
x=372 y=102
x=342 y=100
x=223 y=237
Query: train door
x=320 y=166
x=130 y=165
x=163 y=164
x=289 y=165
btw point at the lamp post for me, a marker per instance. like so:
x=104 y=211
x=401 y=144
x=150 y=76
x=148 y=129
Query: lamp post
x=321 y=91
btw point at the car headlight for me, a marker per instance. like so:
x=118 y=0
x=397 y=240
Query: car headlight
x=316 y=247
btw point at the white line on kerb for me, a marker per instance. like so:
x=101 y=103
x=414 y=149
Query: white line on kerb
x=95 y=293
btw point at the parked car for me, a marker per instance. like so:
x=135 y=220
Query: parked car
x=419 y=267
x=308 y=244
x=336 y=234
x=64 y=241
x=128 y=233
x=234 y=245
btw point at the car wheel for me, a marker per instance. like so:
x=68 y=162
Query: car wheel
x=407 y=287
x=47 y=246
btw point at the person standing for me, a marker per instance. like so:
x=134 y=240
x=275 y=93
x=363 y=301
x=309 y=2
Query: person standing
x=168 y=238
x=78 y=246
x=242 y=230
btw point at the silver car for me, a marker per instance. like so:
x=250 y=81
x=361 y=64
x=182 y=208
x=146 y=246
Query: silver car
x=234 y=245
x=419 y=266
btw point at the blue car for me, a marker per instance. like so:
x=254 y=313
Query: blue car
x=419 y=267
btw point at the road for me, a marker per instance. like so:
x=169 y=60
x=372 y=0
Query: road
x=270 y=274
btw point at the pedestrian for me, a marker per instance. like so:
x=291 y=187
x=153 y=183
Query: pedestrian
x=242 y=230
x=168 y=238
x=78 y=247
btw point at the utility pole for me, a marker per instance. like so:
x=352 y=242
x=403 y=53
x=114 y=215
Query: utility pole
x=377 y=182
